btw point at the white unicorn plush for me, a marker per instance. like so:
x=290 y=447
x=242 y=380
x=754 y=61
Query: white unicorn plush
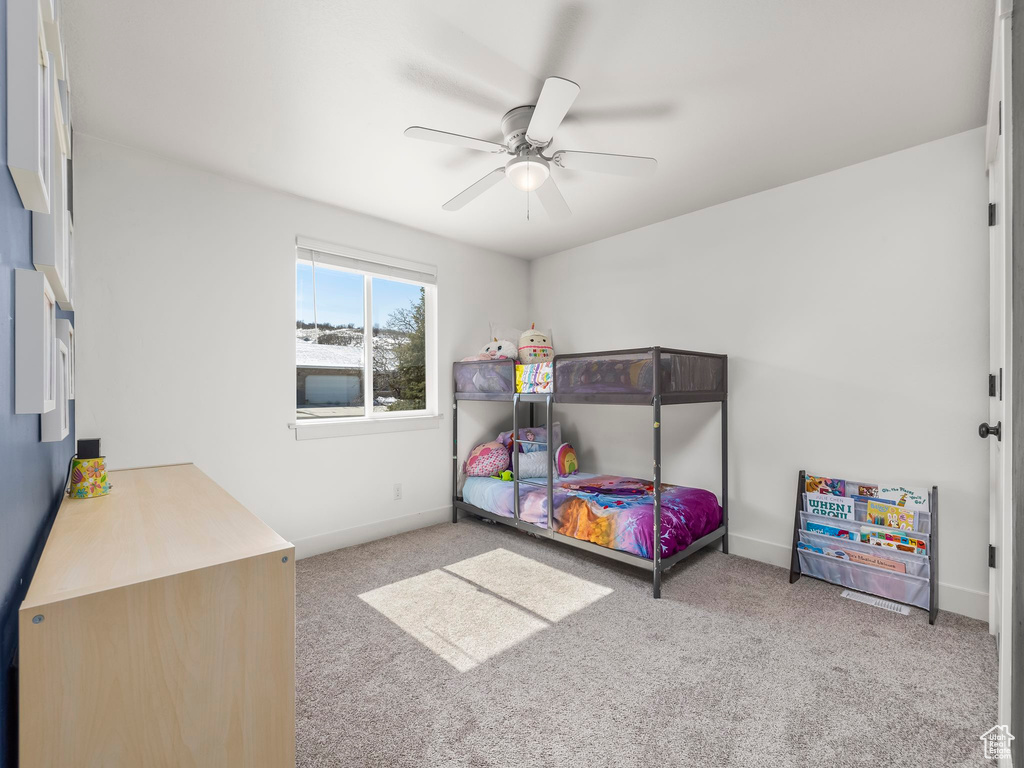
x=496 y=349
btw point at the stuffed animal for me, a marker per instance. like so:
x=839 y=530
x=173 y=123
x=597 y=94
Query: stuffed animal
x=535 y=347
x=496 y=349
x=501 y=349
x=566 y=461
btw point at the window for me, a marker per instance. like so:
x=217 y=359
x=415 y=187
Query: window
x=344 y=372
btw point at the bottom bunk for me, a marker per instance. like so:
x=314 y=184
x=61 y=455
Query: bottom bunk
x=613 y=512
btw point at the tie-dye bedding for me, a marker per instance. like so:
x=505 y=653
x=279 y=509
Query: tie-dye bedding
x=609 y=510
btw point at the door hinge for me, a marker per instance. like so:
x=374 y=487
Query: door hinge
x=991 y=385
x=1000 y=118
x=991 y=556
x=991 y=214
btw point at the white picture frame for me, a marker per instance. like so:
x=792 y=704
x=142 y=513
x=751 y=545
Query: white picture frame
x=68 y=304
x=66 y=334
x=50 y=238
x=29 y=104
x=49 y=13
x=64 y=94
x=35 y=322
x=55 y=425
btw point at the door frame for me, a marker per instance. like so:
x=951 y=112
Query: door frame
x=1015 y=211
x=1001 y=126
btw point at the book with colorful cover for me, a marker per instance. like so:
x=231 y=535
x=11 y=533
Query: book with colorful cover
x=862 y=489
x=829 y=506
x=837 y=553
x=827 y=485
x=883 y=537
x=831 y=530
x=902 y=496
x=890 y=515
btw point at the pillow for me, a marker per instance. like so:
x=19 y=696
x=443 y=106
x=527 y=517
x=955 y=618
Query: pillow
x=526 y=434
x=486 y=460
x=533 y=464
x=566 y=462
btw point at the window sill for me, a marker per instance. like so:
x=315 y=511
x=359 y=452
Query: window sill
x=316 y=429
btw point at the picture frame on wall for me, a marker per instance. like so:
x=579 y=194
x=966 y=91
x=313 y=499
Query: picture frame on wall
x=66 y=334
x=30 y=95
x=51 y=253
x=49 y=14
x=35 y=341
x=55 y=425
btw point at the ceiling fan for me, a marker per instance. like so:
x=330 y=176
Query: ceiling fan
x=528 y=132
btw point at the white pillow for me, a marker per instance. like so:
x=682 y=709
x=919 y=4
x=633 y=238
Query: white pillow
x=533 y=464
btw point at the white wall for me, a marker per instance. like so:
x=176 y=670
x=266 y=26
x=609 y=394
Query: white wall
x=186 y=343
x=854 y=310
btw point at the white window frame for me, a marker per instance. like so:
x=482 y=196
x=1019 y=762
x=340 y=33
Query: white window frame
x=371 y=265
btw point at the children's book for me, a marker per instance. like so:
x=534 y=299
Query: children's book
x=831 y=530
x=827 y=485
x=903 y=496
x=878 y=561
x=894 y=540
x=890 y=515
x=862 y=489
x=829 y=506
x=837 y=553
x=866 y=499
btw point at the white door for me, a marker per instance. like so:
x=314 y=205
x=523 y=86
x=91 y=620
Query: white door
x=996 y=429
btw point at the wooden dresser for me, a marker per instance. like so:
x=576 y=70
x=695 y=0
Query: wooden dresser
x=159 y=630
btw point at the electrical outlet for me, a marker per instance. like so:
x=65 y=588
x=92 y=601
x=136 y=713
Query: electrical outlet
x=398 y=491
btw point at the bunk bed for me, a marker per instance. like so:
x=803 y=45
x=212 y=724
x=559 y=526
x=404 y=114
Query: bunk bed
x=680 y=519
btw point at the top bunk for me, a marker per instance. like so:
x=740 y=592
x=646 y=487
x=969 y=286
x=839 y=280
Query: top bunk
x=624 y=377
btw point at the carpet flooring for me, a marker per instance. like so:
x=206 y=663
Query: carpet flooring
x=474 y=645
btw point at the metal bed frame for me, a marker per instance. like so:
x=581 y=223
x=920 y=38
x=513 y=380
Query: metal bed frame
x=655 y=399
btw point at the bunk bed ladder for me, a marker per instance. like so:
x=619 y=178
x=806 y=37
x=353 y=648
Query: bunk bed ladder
x=550 y=479
x=549 y=426
x=515 y=457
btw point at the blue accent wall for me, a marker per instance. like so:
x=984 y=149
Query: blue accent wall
x=33 y=472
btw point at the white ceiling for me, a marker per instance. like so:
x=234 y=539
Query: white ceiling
x=312 y=96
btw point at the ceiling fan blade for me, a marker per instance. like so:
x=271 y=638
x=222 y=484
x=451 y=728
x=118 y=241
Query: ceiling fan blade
x=455 y=139
x=556 y=97
x=473 y=191
x=551 y=198
x=623 y=165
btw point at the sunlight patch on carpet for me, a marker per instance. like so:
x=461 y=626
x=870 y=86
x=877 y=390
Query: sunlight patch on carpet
x=541 y=589
x=477 y=608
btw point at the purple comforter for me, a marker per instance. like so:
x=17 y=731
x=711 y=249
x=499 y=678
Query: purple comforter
x=609 y=510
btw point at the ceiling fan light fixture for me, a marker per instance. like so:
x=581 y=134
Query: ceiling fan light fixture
x=527 y=172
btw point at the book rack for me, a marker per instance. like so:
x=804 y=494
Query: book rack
x=917 y=585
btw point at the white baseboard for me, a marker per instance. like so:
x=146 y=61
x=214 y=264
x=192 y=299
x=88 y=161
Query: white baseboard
x=967 y=602
x=360 y=534
x=757 y=549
